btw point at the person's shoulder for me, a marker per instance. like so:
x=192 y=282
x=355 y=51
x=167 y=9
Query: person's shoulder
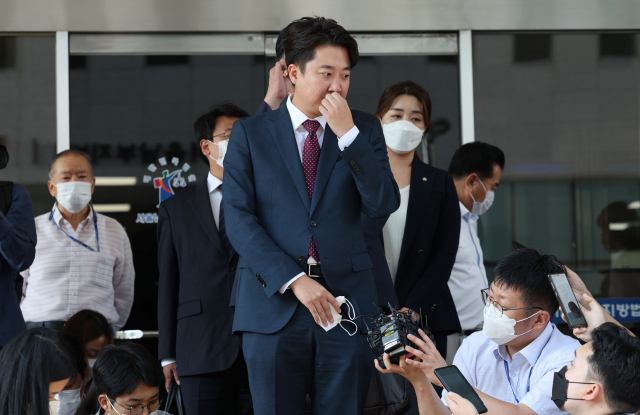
x=20 y=194
x=111 y=224
x=363 y=116
x=44 y=218
x=560 y=346
x=260 y=119
x=182 y=196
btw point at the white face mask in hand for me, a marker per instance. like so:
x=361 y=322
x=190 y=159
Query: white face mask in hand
x=222 y=150
x=73 y=196
x=501 y=329
x=337 y=317
x=402 y=136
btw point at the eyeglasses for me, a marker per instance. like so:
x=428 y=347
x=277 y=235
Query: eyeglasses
x=499 y=309
x=226 y=134
x=136 y=409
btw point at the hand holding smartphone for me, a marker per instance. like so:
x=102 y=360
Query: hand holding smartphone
x=568 y=301
x=453 y=381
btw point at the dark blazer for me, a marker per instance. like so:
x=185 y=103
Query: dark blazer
x=372 y=228
x=429 y=247
x=270 y=219
x=196 y=275
x=18 y=249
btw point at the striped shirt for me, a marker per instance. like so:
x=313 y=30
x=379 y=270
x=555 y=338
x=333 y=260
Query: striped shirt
x=66 y=277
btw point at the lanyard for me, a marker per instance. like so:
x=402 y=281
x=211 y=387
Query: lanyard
x=95 y=224
x=506 y=370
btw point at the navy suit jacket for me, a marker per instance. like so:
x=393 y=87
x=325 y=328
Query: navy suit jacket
x=429 y=247
x=18 y=249
x=270 y=219
x=196 y=276
x=372 y=228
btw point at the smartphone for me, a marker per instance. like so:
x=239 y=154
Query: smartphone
x=567 y=299
x=453 y=381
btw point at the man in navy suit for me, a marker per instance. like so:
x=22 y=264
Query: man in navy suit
x=197 y=269
x=297 y=180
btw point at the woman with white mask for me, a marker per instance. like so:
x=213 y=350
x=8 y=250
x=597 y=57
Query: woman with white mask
x=421 y=237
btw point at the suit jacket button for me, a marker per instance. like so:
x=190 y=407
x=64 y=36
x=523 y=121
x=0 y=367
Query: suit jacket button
x=421 y=253
x=264 y=284
x=424 y=179
x=313 y=224
x=353 y=163
x=231 y=269
x=301 y=259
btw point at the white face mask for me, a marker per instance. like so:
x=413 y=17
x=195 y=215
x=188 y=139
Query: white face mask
x=481 y=207
x=222 y=150
x=402 y=136
x=73 y=196
x=501 y=329
x=69 y=401
x=337 y=317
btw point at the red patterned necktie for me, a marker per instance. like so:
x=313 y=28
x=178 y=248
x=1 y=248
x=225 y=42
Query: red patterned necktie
x=310 y=156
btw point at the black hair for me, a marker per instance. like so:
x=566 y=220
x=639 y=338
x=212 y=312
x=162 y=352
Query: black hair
x=280 y=41
x=88 y=325
x=121 y=368
x=75 y=351
x=28 y=364
x=477 y=157
x=527 y=271
x=306 y=34
x=615 y=363
x=66 y=153
x=205 y=124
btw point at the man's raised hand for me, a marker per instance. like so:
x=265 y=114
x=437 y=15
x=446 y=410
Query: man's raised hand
x=336 y=111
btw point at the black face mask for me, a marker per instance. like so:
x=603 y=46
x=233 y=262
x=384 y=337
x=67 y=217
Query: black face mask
x=560 y=386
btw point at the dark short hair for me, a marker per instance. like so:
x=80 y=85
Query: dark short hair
x=527 y=272
x=615 y=363
x=306 y=34
x=75 y=351
x=280 y=41
x=205 y=124
x=29 y=363
x=477 y=157
x=64 y=153
x=88 y=325
x=405 y=88
x=120 y=368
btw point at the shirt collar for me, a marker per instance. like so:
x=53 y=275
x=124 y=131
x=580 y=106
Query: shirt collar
x=298 y=117
x=213 y=182
x=57 y=216
x=533 y=350
x=466 y=215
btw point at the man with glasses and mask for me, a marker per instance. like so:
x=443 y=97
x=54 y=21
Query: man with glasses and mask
x=197 y=268
x=512 y=363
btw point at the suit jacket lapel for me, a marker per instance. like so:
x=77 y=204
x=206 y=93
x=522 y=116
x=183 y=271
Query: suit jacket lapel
x=418 y=197
x=201 y=205
x=327 y=161
x=282 y=133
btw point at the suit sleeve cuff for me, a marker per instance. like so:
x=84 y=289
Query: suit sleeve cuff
x=288 y=283
x=165 y=362
x=346 y=140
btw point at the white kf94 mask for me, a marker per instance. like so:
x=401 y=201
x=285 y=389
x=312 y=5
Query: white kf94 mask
x=337 y=317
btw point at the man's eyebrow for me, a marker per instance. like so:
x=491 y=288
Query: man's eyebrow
x=327 y=67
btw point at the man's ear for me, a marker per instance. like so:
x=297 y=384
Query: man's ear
x=53 y=191
x=470 y=181
x=93 y=184
x=541 y=320
x=593 y=392
x=104 y=402
x=294 y=73
x=204 y=147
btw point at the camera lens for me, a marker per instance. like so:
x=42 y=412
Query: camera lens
x=4 y=157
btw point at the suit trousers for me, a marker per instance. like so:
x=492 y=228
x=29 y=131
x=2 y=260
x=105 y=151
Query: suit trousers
x=333 y=367
x=221 y=393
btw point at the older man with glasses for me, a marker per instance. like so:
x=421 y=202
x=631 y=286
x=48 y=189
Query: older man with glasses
x=511 y=364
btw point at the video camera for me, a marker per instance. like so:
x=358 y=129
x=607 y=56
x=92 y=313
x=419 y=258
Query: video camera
x=390 y=334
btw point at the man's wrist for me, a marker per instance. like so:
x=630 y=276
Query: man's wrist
x=273 y=101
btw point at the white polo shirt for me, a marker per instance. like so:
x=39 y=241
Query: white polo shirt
x=525 y=378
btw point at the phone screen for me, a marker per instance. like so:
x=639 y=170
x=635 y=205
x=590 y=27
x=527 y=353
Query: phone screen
x=453 y=381
x=567 y=300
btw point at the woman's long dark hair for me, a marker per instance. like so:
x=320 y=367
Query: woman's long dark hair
x=118 y=371
x=28 y=364
x=88 y=325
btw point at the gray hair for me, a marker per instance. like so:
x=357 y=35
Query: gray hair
x=72 y=151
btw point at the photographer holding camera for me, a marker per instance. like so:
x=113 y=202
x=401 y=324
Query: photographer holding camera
x=18 y=249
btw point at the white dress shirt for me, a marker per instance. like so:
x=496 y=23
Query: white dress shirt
x=468 y=275
x=215 y=197
x=300 y=133
x=66 y=277
x=528 y=376
x=393 y=233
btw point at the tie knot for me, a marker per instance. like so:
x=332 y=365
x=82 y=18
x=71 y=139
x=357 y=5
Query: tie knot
x=311 y=126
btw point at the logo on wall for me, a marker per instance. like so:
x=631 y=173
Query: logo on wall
x=165 y=184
